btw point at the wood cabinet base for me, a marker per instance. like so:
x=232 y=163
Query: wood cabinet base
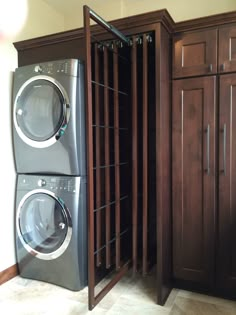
x=8 y=274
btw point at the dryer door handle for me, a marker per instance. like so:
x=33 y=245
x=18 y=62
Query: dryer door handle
x=62 y=225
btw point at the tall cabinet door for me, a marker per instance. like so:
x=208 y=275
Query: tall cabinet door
x=194 y=115
x=226 y=260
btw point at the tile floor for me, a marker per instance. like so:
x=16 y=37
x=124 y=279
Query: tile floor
x=130 y=296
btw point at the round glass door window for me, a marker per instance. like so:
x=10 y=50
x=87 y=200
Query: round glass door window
x=41 y=111
x=44 y=225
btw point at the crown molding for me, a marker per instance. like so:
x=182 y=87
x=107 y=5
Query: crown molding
x=124 y=24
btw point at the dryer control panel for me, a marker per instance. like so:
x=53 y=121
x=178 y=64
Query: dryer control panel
x=67 y=66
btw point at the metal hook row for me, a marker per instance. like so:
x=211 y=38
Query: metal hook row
x=120 y=44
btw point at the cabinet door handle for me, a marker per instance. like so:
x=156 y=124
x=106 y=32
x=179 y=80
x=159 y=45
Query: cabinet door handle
x=207 y=131
x=210 y=67
x=222 y=67
x=223 y=131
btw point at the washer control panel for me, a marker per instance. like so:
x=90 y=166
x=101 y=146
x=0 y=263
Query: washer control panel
x=56 y=184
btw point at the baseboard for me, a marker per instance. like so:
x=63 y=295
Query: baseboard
x=8 y=274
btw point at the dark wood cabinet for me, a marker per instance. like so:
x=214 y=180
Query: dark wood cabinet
x=195 y=53
x=227 y=49
x=226 y=254
x=193 y=167
x=204 y=133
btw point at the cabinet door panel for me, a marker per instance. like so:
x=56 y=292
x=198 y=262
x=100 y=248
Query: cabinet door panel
x=227 y=49
x=226 y=258
x=193 y=179
x=195 y=54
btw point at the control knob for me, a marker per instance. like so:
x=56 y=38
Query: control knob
x=38 y=69
x=41 y=182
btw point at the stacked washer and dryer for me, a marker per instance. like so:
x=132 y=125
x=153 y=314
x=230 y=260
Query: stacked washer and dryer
x=50 y=159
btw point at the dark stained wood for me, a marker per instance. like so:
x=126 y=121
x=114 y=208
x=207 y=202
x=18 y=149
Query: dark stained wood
x=195 y=53
x=194 y=109
x=226 y=255
x=117 y=153
x=205 y=22
x=98 y=156
x=134 y=154
x=121 y=264
x=122 y=271
x=145 y=155
x=52 y=51
x=227 y=49
x=163 y=164
x=90 y=177
x=8 y=274
x=107 y=161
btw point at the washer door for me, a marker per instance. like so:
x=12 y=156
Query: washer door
x=44 y=224
x=41 y=111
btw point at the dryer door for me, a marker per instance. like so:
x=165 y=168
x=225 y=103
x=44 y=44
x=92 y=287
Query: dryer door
x=43 y=224
x=41 y=111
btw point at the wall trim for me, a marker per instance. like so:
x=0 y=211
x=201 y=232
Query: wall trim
x=8 y=274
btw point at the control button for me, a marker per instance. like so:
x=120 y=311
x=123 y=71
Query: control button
x=41 y=182
x=38 y=69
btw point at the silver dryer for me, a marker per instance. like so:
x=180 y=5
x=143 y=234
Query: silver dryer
x=49 y=118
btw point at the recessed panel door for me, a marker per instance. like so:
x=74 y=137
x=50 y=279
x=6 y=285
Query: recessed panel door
x=194 y=111
x=226 y=254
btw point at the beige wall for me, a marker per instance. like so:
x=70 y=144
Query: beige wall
x=109 y=10
x=41 y=20
x=179 y=9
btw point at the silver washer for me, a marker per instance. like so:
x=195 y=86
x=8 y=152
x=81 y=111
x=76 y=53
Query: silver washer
x=64 y=245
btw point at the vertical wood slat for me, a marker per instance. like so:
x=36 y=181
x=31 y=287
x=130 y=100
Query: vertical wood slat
x=117 y=153
x=145 y=155
x=94 y=299
x=134 y=154
x=107 y=160
x=98 y=156
x=89 y=130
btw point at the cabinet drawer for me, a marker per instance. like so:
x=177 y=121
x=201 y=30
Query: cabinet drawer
x=195 y=54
